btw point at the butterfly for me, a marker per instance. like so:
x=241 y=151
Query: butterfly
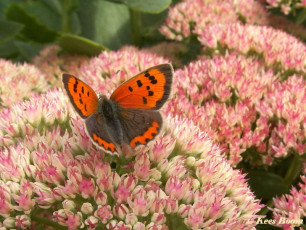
x=130 y=117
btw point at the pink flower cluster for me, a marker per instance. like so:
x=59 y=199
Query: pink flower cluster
x=189 y=13
x=52 y=64
x=186 y=15
x=286 y=6
x=290 y=209
x=48 y=163
x=242 y=106
x=25 y=80
x=275 y=46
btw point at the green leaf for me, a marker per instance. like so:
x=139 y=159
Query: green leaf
x=77 y=44
x=56 y=16
x=105 y=22
x=4 y=4
x=54 y=5
x=151 y=22
x=8 y=30
x=148 y=6
x=28 y=49
x=44 y=14
x=266 y=185
x=8 y=49
x=33 y=29
x=301 y=17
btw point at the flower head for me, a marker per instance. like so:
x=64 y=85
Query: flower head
x=49 y=163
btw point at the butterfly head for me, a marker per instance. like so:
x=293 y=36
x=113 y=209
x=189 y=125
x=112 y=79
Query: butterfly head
x=106 y=107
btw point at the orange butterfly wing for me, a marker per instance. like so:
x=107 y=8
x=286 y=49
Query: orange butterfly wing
x=147 y=90
x=83 y=98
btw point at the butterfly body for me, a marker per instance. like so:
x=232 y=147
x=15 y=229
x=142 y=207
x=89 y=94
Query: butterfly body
x=130 y=117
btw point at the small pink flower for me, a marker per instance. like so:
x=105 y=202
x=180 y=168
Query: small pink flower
x=25 y=202
x=87 y=208
x=171 y=205
x=177 y=188
x=125 y=188
x=140 y=201
x=44 y=195
x=73 y=221
x=158 y=218
x=87 y=187
x=120 y=210
x=131 y=219
x=23 y=221
x=139 y=226
x=91 y=222
x=142 y=167
x=5 y=202
x=104 y=213
x=101 y=198
x=162 y=147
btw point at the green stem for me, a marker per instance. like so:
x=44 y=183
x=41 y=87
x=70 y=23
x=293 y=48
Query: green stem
x=135 y=27
x=293 y=171
x=47 y=222
x=265 y=210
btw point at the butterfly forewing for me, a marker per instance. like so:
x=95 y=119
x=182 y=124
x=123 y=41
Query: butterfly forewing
x=147 y=90
x=83 y=98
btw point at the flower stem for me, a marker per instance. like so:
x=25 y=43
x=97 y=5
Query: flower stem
x=293 y=171
x=47 y=222
x=266 y=209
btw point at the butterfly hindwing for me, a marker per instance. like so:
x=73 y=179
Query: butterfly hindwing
x=147 y=90
x=139 y=126
x=101 y=133
x=82 y=97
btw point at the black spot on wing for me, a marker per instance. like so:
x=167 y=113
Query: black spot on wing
x=154 y=81
x=139 y=83
x=131 y=89
x=147 y=74
x=144 y=100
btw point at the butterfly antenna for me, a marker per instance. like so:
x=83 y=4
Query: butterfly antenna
x=118 y=71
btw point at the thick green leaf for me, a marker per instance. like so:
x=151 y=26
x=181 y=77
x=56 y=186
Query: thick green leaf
x=301 y=18
x=56 y=17
x=44 y=14
x=8 y=49
x=28 y=49
x=33 y=29
x=148 y=6
x=105 y=22
x=4 y=4
x=8 y=30
x=77 y=44
x=151 y=22
x=266 y=185
x=54 y=5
